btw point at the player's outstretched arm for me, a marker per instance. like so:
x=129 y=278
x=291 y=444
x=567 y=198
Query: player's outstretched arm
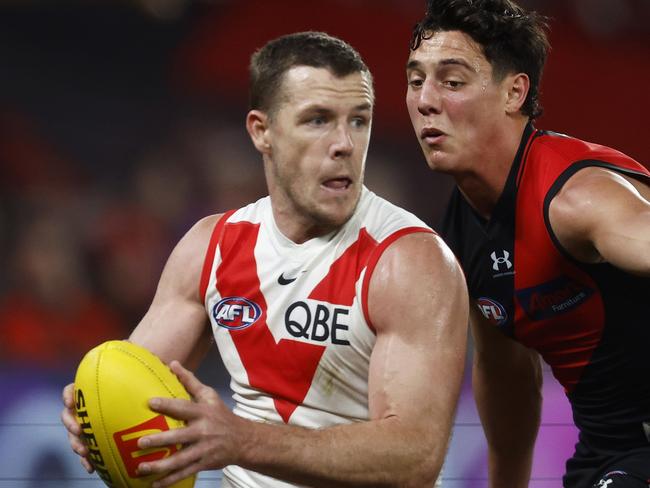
x=602 y=216
x=418 y=306
x=507 y=383
x=176 y=312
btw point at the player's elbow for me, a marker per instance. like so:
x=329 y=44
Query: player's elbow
x=417 y=451
x=414 y=469
x=424 y=474
x=425 y=463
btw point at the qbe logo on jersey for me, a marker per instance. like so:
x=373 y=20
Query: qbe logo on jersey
x=492 y=310
x=236 y=313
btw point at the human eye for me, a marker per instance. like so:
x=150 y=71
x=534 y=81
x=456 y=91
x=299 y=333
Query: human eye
x=415 y=77
x=316 y=121
x=359 y=122
x=453 y=84
x=415 y=81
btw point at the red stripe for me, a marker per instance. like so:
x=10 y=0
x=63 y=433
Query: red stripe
x=209 y=255
x=372 y=262
x=338 y=286
x=285 y=369
x=568 y=340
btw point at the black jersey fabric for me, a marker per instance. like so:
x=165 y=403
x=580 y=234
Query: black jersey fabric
x=589 y=322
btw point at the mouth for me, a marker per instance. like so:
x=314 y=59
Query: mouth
x=340 y=183
x=431 y=135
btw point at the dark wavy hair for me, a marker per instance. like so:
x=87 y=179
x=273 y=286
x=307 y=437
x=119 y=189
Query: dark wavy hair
x=316 y=49
x=513 y=40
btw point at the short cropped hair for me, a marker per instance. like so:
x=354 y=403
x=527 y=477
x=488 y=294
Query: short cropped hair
x=316 y=49
x=513 y=40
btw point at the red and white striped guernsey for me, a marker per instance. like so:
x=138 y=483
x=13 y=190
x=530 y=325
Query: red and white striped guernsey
x=291 y=320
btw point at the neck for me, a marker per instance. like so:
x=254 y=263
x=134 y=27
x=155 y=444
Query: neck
x=296 y=225
x=295 y=229
x=483 y=184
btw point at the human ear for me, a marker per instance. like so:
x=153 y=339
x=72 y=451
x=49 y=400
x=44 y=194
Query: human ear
x=257 y=125
x=517 y=86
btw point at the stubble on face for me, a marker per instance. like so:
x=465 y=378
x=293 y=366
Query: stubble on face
x=320 y=137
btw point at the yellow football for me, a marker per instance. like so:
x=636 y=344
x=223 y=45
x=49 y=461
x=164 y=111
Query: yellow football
x=114 y=381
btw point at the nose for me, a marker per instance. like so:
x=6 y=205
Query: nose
x=430 y=101
x=342 y=145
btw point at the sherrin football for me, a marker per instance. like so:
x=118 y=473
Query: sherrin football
x=113 y=384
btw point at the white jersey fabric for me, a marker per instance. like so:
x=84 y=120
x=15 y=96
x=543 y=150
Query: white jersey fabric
x=290 y=320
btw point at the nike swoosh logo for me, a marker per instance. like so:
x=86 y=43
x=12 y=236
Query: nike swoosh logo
x=285 y=281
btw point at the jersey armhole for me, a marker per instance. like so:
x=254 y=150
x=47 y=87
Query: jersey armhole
x=563 y=178
x=209 y=255
x=372 y=262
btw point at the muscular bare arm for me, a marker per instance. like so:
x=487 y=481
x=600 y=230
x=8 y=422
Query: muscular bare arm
x=176 y=312
x=418 y=305
x=602 y=216
x=176 y=325
x=507 y=385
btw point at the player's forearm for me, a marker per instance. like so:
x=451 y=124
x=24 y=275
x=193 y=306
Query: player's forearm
x=510 y=410
x=375 y=453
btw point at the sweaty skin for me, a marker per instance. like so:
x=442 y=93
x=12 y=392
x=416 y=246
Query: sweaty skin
x=314 y=147
x=469 y=125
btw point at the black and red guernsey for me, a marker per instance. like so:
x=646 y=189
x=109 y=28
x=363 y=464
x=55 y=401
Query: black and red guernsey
x=589 y=322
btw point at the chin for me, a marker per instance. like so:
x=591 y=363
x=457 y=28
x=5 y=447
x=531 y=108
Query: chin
x=335 y=219
x=438 y=161
x=335 y=216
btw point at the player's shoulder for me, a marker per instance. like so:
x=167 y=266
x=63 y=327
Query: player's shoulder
x=404 y=239
x=184 y=266
x=381 y=218
x=422 y=252
x=202 y=230
x=190 y=251
x=370 y=203
x=572 y=149
x=417 y=262
x=586 y=191
x=418 y=269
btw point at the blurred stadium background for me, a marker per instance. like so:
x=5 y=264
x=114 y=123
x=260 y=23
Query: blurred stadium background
x=122 y=122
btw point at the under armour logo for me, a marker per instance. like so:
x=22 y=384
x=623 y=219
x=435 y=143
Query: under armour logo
x=499 y=260
x=607 y=479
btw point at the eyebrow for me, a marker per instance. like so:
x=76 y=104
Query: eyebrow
x=363 y=106
x=456 y=61
x=415 y=64
x=322 y=109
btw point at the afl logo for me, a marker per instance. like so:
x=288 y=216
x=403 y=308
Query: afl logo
x=236 y=313
x=492 y=310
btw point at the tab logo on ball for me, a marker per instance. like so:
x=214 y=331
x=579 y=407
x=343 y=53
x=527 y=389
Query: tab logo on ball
x=127 y=444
